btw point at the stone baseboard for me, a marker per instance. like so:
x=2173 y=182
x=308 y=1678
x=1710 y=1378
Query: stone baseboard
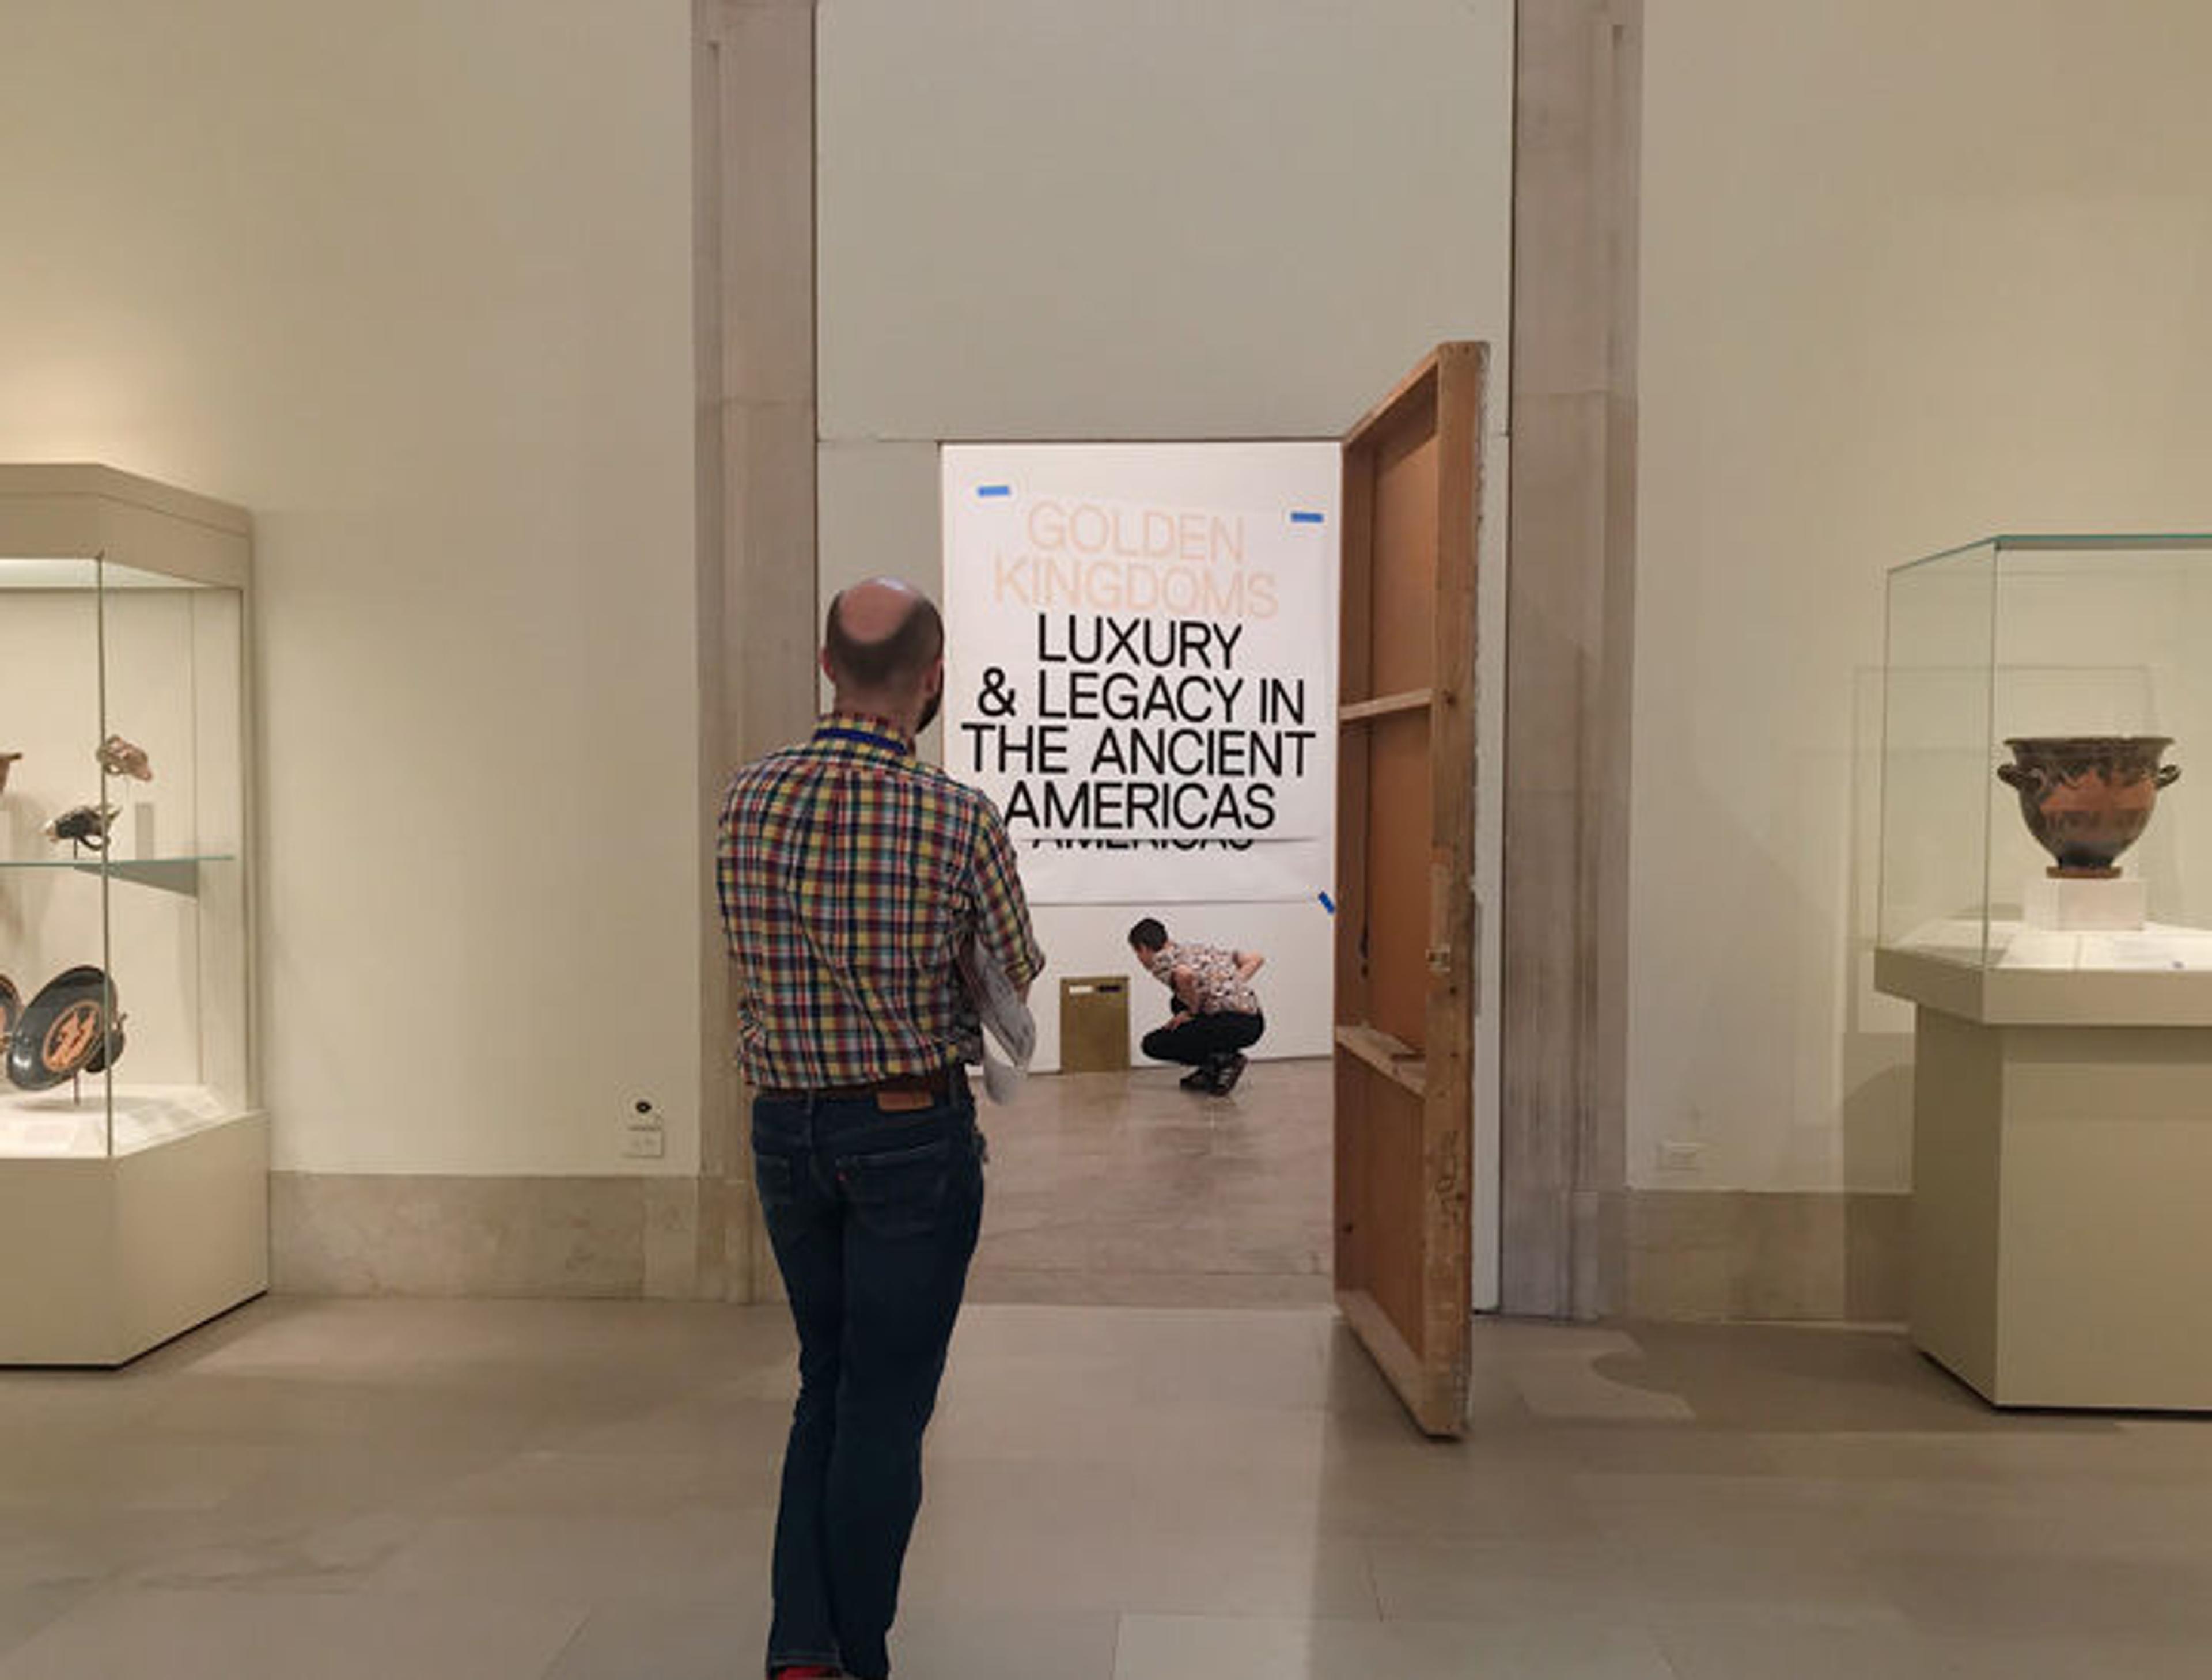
x=367 y=1234
x=1714 y=1256
x=1838 y=1257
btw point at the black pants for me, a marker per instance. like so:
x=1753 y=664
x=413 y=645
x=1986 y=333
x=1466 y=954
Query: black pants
x=1204 y=1040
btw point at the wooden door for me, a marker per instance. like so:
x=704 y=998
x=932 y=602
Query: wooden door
x=1406 y=939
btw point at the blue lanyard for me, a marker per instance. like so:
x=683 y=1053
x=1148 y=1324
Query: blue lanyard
x=864 y=736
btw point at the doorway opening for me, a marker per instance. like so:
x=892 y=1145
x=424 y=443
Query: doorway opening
x=1147 y=650
x=1141 y=657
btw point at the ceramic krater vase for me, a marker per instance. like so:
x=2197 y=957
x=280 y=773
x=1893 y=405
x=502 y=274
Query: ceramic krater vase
x=2086 y=798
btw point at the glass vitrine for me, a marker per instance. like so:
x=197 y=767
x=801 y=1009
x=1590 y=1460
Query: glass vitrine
x=133 y=1155
x=122 y=903
x=2046 y=904
x=2047 y=755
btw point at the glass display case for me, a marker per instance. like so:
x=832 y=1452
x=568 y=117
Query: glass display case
x=2047 y=756
x=2046 y=904
x=133 y=1159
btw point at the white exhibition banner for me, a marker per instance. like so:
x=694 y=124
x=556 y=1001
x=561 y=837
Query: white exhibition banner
x=1141 y=658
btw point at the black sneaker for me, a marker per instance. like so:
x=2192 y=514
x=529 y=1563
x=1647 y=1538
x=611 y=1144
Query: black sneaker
x=1231 y=1071
x=1198 y=1079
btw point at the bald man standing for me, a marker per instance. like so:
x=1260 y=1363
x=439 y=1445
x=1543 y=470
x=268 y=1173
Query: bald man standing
x=852 y=876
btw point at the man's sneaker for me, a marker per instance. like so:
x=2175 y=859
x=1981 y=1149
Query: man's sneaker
x=1231 y=1071
x=1198 y=1078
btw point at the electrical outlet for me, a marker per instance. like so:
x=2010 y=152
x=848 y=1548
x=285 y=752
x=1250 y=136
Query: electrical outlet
x=644 y=1138
x=1681 y=1155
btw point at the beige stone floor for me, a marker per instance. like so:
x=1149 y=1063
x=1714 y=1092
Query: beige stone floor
x=1125 y=1189
x=512 y=1490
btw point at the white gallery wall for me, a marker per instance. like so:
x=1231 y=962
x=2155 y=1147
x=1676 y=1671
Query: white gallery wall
x=411 y=283
x=1113 y=219
x=1912 y=273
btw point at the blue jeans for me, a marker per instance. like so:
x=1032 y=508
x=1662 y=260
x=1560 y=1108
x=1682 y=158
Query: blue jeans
x=873 y=1214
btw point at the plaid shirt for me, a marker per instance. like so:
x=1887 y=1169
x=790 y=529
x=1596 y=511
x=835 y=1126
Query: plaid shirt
x=851 y=875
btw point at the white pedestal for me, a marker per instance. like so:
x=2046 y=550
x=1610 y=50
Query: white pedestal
x=2057 y=1177
x=101 y=1259
x=2058 y=904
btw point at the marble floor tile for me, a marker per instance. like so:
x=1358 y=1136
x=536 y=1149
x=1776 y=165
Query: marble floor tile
x=1242 y=1649
x=1568 y=1384
x=303 y=1483
x=1124 y=1189
x=1068 y=1646
x=24 y=1609
x=1806 y=1581
x=470 y=1490
x=1759 y=1648
x=1481 y=1581
x=2070 y=1515
x=621 y=1484
x=2140 y=1656
x=666 y=1640
x=1413 y=1492
x=145 y=1635
x=1762 y=1648
x=400 y=1407
x=342 y=1555
x=2074 y=1597
x=684 y=1553
x=39 y=1410
x=1059 y=1563
x=717 y=1420
x=1782 y=1379
x=130 y=1472
x=1632 y=1447
x=974 y=1493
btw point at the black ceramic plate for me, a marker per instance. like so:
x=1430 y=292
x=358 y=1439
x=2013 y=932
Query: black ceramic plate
x=62 y=1030
x=111 y=1051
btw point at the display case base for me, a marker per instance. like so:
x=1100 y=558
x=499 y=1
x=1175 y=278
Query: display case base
x=101 y=1259
x=2058 y=1174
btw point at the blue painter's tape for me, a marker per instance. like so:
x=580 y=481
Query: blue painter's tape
x=1326 y=902
x=1305 y=518
x=994 y=489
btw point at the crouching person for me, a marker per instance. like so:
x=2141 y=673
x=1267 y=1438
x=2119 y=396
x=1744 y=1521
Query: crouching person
x=1216 y=1014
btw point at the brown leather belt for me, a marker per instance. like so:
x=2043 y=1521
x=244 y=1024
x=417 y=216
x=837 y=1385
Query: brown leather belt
x=936 y=1084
